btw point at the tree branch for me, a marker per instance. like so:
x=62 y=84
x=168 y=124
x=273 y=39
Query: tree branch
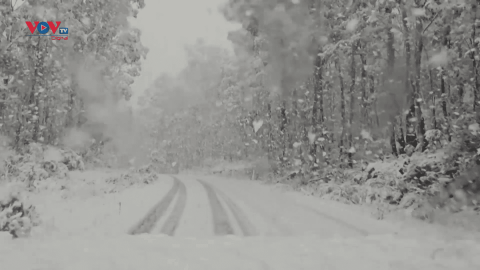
x=88 y=35
x=11 y=43
x=434 y=18
x=18 y=6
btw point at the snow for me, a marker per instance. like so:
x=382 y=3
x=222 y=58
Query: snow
x=88 y=231
x=196 y=218
x=161 y=252
x=88 y=210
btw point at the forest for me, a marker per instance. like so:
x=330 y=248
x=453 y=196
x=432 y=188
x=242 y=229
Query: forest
x=369 y=101
x=359 y=101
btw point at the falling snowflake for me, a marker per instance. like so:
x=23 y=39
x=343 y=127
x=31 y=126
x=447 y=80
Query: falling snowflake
x=86 y=21
x=439 y=59
x=323 y=40
x=297 y=162
x=257 y=125
x=352 y=25
x=418 y=12
x=474 y=128
x=366 y=135
x=311 y=137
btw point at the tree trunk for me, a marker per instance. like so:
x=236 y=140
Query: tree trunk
x=473 y=56
x=375 y=112
x=446 y=45
x=411 y=137
x=432 y=90
x=317 y=118
x=353 y=77
x=394 y=120
x=363 y=88
x=342 y=106
x=418 y=71
x=283 y=130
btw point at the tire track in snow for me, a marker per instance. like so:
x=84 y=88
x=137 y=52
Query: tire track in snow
x=148 y=222
x=221 y=224
x=171 y=223
x=270 y=220
x=245 y=225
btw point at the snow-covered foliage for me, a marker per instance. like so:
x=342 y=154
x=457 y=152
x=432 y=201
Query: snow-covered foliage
x=424 y=185
x=16 y=216
x=65 y=83
x=34 y=169
x=59 y=105
x=41 y=169
x=134 y=177
x=38 y=162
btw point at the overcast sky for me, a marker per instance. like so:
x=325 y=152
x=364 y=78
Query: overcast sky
x=167 y=26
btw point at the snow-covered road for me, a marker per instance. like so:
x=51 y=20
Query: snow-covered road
x=204 y=207
x=200 y=222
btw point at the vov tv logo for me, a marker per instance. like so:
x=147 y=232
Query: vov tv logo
x=43 y=29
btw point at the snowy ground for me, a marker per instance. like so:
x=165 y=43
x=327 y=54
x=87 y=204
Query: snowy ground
x=235 y=225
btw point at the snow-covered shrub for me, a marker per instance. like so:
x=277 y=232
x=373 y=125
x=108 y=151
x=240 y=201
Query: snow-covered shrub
x=31 y=173
x=37 y=163
x=149 y=168
x=435 y=139
x=16 y=216
x=45 y=157
x=5 y=152
x=460 y=183
x=263 y=169
x=143 y=176
x=98 y=156
x=72 y=160
x=406 y=182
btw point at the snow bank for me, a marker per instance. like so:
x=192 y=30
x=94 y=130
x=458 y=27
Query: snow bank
x=50 y=178
x=90 y=209
x=17 y=216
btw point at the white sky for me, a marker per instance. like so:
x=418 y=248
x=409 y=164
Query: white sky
x=167 y=26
